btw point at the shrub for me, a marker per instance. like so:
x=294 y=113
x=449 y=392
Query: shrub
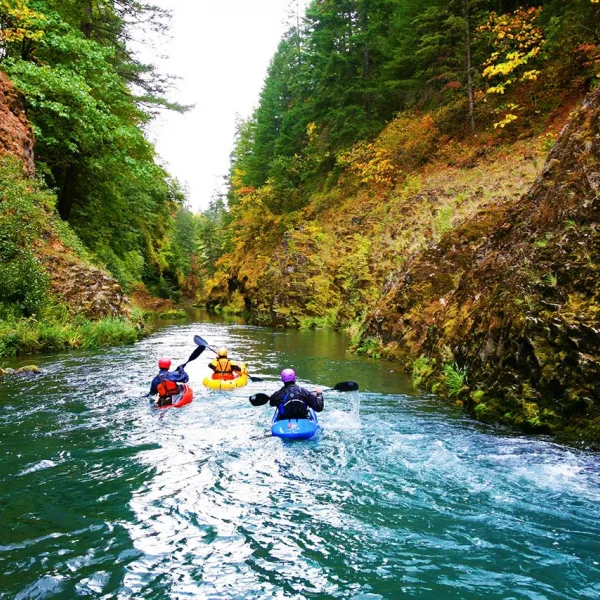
x=21 y=222
x=406 y=143
x=371 y=347
x=24 y=285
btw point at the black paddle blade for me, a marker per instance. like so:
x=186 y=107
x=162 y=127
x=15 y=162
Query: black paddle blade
x=255 y=379
x=196 y=353
x=346 y=386
x=259 y=399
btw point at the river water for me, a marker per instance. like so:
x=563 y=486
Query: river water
x=399 y=495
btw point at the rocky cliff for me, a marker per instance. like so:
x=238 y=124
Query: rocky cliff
x=510 y=300
x=16 y=134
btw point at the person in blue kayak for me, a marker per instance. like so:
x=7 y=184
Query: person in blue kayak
x=293 y=401
x=165 y=384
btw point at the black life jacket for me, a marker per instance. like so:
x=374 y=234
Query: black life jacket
x=292 y=407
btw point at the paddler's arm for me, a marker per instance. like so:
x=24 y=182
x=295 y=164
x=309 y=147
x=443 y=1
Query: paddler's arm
x=178 y=375
x=317 y=402
x=276 y=398
x=153 y=385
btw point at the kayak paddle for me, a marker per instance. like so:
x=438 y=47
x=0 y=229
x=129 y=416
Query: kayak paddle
x=202 y=342
x=342 y=386
x=259 y=399
x=194 y=355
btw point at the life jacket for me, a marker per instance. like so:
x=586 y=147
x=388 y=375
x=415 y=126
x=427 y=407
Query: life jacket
x=223 y=365
x=292 y=408
x=167 y=388
x=223 y=369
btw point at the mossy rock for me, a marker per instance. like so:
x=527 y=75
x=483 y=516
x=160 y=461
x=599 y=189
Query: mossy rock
x=26 y=370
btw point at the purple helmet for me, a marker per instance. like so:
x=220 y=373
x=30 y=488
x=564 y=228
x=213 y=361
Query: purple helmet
x=288 y=375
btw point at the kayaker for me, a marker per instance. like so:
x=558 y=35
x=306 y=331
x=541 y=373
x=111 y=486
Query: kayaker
x=223 y=367
x=165 y=384
x=293 y=401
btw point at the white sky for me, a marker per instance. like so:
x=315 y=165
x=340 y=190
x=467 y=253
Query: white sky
x=221 y=49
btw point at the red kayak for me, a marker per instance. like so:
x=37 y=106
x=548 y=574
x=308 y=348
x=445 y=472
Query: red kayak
x=184 y=397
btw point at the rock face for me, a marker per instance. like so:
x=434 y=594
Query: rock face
x=513 y=295
x=16 y=134
x=85 y=290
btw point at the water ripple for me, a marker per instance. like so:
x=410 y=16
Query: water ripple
x=105 y=497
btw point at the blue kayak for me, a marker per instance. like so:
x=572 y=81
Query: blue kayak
x=295 y=429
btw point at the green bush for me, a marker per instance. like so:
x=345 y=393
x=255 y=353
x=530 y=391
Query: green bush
x=371 y=347
x=24 y=285
x=22 y=215
x=127 y=270
x=421 y=370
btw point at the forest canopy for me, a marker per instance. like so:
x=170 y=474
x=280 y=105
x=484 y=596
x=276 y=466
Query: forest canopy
x=89 y=98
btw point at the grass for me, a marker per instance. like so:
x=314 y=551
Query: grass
x=455 y=377
x=28 y=336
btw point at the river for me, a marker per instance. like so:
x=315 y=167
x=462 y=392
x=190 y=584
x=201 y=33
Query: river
x=399 y=495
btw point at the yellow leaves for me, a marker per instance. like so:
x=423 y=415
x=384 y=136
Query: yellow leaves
x=405 y=143
x=18 y=22
x=509 y=118
x=530 y=75
x=516 y=41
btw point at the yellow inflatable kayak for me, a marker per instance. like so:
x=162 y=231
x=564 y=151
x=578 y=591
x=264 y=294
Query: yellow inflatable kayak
x=240 y=380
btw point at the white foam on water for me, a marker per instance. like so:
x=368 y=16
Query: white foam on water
x=341 y=420
x=39 y=466
x=558 y=477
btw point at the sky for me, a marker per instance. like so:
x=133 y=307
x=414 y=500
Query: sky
x=221 y=50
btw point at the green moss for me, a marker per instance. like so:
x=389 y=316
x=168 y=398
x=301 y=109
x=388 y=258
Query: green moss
x=477 y=396
x=480 y=410
x=422 y=369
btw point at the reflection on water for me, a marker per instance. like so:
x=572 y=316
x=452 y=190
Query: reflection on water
x=104 y=497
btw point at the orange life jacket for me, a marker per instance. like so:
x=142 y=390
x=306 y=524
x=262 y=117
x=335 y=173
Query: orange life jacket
x=167 y=388
x=223 y=365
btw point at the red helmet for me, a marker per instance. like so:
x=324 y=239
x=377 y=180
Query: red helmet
x=164 y=363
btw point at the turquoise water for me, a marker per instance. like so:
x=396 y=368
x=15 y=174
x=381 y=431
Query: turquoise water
x=104 y=497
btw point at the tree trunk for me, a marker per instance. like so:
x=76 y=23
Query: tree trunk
x=366 y=54
x=468 y=65
x=86 y=26
x=67 y=192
